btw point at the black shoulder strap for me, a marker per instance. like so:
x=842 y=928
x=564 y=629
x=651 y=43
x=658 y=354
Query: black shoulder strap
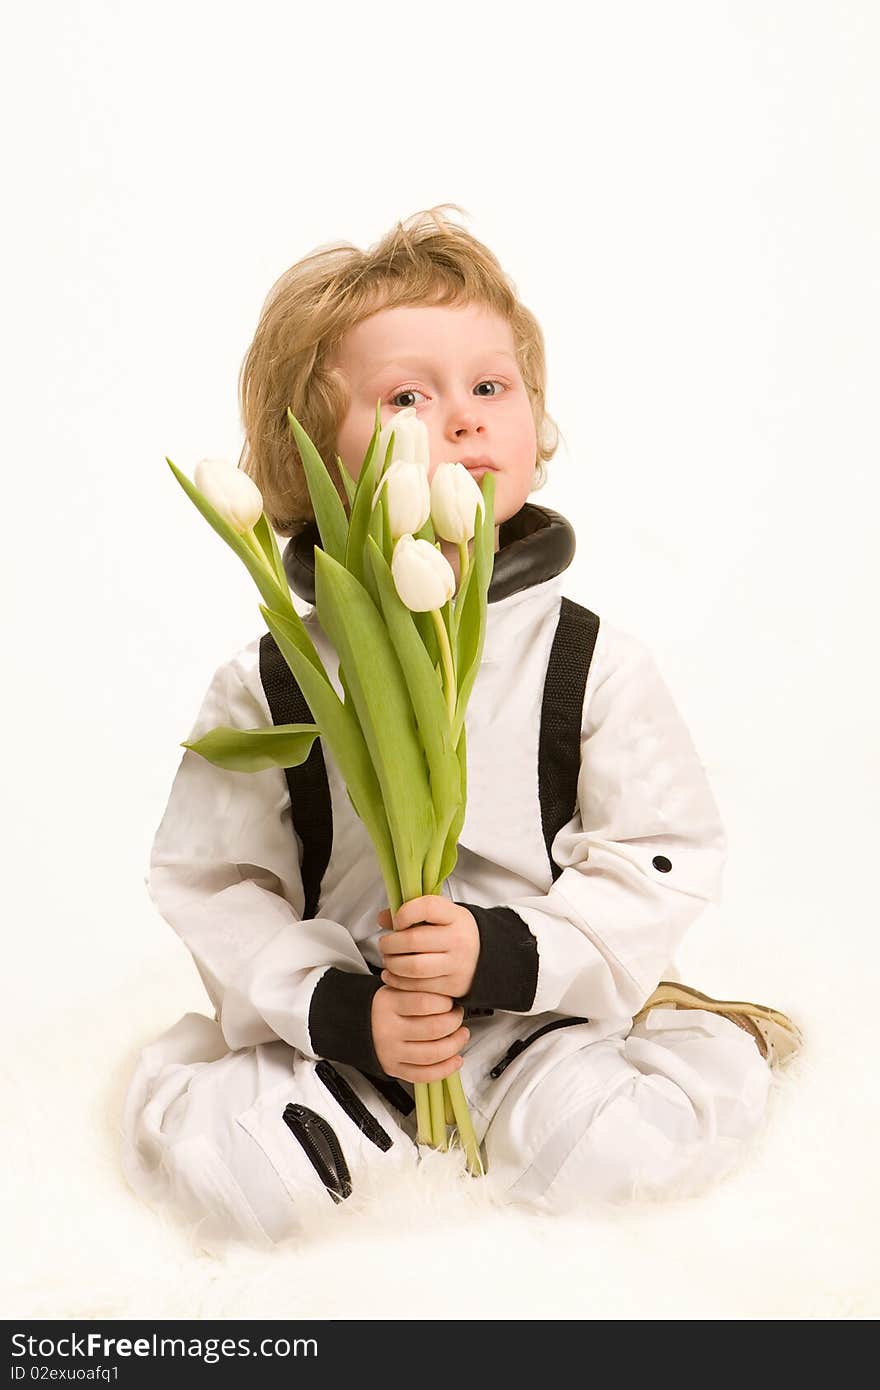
x=559 y=749
x=558 y=756
x=309 y=789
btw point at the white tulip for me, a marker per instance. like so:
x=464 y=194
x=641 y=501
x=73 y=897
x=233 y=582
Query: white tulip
x=455 y=497
x=231 y=492
x=410 y=439
x=409 y=497
x=422 y=575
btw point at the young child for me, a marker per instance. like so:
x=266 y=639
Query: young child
x=591 y=842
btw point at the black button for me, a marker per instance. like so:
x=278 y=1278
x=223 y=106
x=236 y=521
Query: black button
x=661 y=863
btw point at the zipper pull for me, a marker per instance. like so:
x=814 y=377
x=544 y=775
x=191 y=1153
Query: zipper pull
x=508 y=1057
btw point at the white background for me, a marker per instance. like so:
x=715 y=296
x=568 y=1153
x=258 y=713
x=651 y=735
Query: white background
x=686 y=196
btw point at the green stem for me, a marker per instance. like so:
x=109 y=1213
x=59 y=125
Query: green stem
x=464 y=561
x=467 y=1138
x=436 y=1092
x=448 y=667
x=432 y=1098
x=445 y=1096
x=438 y=1114
x=447 y=1102
x=464 y=566
x=253 y=544
x=423 y=1112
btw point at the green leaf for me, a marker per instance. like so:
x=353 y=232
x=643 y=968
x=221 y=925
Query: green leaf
x=467 y=635
x=459 y=605
x=379 y=528
x=421 y=682
x=269 y=546
x=376 y=532
x=340 y=729
x=362 y=511
x=426 y=533
x=252 y=750
x=428 y=633
x=326 y=502
x=384 y=710
x=446 y=616
x=374 y=528
x=472 y=623
x=388 y=541
x=261 y=571
x=450 y=850
x=348 y=482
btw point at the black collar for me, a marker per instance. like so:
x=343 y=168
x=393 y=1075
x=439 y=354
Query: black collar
x=534 y=545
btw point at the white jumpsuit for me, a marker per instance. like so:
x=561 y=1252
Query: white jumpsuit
x=239 y=1124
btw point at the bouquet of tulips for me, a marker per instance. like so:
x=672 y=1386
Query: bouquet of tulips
x=409 y=649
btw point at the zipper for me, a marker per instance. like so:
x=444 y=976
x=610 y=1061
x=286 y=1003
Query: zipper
x=322 y=1148
x=351 y=1103
x=392 y=1091
x=520 y=1046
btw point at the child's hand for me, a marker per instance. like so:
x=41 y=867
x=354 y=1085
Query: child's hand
x=417 y=1036
x=435 y=946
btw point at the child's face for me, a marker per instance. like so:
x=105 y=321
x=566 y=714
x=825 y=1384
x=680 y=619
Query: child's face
x=457 y=366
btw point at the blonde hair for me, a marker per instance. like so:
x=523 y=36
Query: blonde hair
x=308 y=311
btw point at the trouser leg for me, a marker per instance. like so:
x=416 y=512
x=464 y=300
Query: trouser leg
x=663 y=1109
x=249 y=1145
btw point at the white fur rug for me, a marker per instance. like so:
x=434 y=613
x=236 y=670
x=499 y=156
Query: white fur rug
x=788 y=1235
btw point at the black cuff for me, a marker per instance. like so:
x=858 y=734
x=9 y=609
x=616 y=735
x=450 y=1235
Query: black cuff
x=340 y=1019
x=506 y=976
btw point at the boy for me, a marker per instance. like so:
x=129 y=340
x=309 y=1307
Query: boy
x=580 y=865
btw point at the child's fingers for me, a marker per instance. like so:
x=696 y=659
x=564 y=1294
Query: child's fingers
x=432 y=907
x=428 y=1054
x=413 y=939
x=414 y=1003
x=437 y=985
x=429 y=1027
x=428 y=964
x=419 y=1074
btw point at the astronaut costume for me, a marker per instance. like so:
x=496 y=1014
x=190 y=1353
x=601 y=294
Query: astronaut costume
x=591 y=843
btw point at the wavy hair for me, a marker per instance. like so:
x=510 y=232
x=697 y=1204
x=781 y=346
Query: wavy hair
x=428 y=259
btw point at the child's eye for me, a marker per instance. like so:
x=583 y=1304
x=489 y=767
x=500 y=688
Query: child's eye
x=411 y=391
x=408 y=391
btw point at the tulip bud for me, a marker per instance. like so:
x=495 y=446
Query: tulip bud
x=409 y=497
x=422 y=575
x=410 y=439
x=231 y=493
x=455 y=497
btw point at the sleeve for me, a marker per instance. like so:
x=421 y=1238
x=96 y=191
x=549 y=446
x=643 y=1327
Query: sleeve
x=225 y=874
x=640 y=860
